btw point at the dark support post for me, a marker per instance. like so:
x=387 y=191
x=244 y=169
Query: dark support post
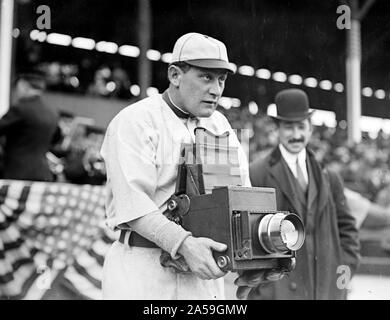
x=144 y=40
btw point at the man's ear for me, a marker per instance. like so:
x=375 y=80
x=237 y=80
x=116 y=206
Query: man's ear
x=174 y=75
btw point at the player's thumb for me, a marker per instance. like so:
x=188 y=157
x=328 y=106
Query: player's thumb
x=217 y=246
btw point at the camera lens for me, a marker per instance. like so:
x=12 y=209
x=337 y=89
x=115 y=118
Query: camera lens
x=288 y=233
x=281 y=232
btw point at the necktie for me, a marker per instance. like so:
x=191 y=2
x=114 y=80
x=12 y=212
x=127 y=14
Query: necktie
x=301 y=178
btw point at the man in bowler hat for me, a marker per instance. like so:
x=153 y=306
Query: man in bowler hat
x=330 y=255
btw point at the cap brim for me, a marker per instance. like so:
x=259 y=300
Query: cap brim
x=211 y=64
x=293 y=119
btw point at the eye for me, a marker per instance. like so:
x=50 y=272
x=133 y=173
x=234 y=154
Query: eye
x=206 y=77
x=222 y=79
x=302 y=127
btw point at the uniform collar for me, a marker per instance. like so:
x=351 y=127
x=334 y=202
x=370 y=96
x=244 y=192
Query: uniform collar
x=176 y=110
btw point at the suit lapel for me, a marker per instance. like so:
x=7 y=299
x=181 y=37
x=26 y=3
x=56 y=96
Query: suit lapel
x=279 y=171
x=299 y=193
x=312 y=190
x=320 y=181
x=318 y=191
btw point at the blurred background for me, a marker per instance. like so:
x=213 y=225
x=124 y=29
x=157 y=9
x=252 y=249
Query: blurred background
x=99 y=56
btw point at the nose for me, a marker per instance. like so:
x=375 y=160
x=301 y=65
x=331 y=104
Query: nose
x=215 y=88
x=296 y=132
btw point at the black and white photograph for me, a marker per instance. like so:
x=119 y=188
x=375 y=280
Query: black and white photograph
x=214 y=152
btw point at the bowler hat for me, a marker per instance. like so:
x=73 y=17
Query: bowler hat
x=292 y=105
x=202 y=51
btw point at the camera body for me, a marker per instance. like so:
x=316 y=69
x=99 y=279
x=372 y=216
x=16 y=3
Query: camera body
x=233 y=215
x=210 y=202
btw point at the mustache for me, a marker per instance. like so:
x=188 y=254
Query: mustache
x=296 y=140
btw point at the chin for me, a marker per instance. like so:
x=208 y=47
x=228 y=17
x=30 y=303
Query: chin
x=294 y=150
x=205 y=113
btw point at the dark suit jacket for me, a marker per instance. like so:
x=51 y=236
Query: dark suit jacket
x=331 y=235
x=29 y=128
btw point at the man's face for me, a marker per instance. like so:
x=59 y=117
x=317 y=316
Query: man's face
x=294 y=136
x=199 y=90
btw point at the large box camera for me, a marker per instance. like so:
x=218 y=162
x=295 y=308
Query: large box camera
x=246 y=219
x=210 y=203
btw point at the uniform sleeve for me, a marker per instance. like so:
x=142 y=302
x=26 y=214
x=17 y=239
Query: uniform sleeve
x=129 y=152
x=163 y=232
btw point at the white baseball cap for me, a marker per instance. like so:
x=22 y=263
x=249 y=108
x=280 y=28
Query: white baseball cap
x=202 y=51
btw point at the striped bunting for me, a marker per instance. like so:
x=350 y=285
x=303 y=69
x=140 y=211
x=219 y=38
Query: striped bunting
x=51 y=231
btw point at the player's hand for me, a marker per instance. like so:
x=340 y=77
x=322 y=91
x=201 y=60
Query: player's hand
x=197 y=252
x=178 y=265
x=250 y=281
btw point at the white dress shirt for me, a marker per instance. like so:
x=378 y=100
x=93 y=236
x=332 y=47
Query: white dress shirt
x=291 y=160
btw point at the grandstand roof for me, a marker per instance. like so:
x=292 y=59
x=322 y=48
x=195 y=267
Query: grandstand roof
x=297 y=37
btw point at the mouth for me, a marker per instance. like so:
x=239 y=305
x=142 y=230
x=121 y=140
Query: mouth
x=296 y=145
x=295 y=142
x=213 y=103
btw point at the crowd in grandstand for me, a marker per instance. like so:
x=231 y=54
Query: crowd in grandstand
x=364 y=166
x=86 y=78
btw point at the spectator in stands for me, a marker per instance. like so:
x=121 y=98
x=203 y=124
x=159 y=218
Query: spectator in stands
x=30 y=127
x=122 y=83
x=83 y=163
x=102 y=85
